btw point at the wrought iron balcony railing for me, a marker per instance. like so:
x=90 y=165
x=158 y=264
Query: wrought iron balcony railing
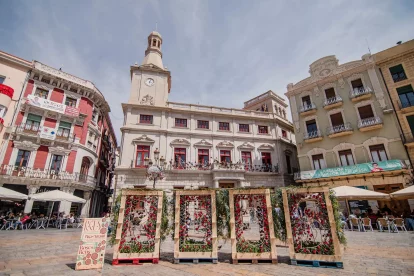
x=359 y=91
x=306 y=107
x=369 y=122
x=339 y=128
x=332 y=100
x=312 y=134
x=239 y=166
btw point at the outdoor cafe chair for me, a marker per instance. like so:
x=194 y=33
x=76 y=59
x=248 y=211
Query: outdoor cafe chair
x=382 y=223
x=366 y=222
x=354 y=223
x=399 y=222
x=62 y=222
x=79 y=221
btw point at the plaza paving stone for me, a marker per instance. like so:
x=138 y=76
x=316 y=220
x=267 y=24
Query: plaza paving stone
x=53 y=252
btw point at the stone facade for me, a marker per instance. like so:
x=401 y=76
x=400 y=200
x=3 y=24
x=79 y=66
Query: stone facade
x=401 y=59
x=201 y=146
x=343 y=116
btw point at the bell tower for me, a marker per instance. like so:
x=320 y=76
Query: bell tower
x=150 y=81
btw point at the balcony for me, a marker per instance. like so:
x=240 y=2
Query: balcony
x=31 y=130
x=340 y=130
x=332 y=102
x=361 y=93
x=406 y=106
x=307 y=109
x=369 y=124
x=223 y=166
x=313 y=136
x=408 y=139
x=26 y=175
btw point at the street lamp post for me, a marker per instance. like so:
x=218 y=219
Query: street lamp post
x=155 y=171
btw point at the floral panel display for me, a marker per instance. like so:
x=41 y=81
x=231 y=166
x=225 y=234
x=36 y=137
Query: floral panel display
x=195 y=233
x=311 y=230
x=251 y=223
x=139 y=224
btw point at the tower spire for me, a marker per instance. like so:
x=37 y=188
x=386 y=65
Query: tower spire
x=153 y=54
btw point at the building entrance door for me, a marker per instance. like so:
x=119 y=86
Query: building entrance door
x=226 y=185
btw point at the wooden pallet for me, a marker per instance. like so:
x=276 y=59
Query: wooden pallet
x=135 y=261
x=195 y=260
x=254 y=261
x=314 y=263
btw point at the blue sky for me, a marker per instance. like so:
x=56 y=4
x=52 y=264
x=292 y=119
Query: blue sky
x=219 y=52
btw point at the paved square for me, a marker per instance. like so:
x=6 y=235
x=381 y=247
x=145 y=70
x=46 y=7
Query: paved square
x=53 y=252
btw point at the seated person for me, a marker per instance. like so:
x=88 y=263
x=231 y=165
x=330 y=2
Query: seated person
x=22 y=220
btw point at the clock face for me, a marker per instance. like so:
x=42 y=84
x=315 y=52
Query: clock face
x=149 y=82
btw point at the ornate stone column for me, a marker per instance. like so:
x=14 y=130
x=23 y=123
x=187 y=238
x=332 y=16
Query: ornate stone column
x=216 y=184
x=86 y=205
x=29 y=203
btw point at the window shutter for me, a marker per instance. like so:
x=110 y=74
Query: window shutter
x=35 y=118
x=404 y=89
x=65 y=124
x=396 y=69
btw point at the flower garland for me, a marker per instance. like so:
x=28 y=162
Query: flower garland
x=247 y=246
x=310 y=227
x=201 y=221
x=143 y=217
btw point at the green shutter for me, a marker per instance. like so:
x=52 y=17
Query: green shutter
x=65 y=124
x=34 y=118
x=410 y=120
x=396 y=69
x=404 y=89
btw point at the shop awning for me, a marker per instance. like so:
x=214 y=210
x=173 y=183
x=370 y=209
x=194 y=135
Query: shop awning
x=353 y=193
x=57 y=195
x=11 y=195
x=407 y=193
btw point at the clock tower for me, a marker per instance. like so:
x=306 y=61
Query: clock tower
x=150 y=81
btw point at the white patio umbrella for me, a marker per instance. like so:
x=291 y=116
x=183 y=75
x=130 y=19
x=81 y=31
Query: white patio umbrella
x=407 y=193
x=353 y=193
x=56 y=195
x=11 y=195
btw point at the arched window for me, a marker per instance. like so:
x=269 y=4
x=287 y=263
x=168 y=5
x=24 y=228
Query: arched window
x=159 y=44
x=154 y=42
x=86 y=164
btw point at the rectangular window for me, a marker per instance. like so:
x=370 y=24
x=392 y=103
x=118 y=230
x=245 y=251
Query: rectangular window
x=365 y=112
x=406 y=95
x=311 y=126
x=330 y=93
x=266 y=159
x=246 y=158
x=318 y=162
x=145 y=119
x=244 y=128
x=203 y=124
x=346 y=158
x=32 y=123
x=284 y=133
x=56 y=163
x=337 y=120
x=70 y=102
x=378 y=153
x=410 y=120
x=95 y=115
x=22 y=158
x=224 y=126
x=263 y=129
x=64 y=129
x=2 y=79
x=180 y=122
x=142 y=153
x=306 y=101
x=42 y=93
x=357 y=84
x=289 y=165
x=180 y=157
x=203 y=156
x=225 y=156
x=398 y=73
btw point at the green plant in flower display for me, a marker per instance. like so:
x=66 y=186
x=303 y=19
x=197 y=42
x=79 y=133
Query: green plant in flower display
x=195 y=233
x=258 y=202
x=114 y=222
x=223 y=213
x=139 y=225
